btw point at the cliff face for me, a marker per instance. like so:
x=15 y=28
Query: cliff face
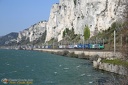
x=9 y=39
x=32 y=33
x=97 y=14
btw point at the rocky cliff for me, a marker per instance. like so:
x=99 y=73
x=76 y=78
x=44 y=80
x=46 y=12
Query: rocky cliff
x=32 y=33
x=97 y=14
x=9 y=39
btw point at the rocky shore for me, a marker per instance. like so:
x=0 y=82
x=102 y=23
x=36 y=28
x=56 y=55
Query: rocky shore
x=119 y=69
x=96 y=60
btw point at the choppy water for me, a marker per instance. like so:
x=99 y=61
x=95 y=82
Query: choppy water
x=48 y=69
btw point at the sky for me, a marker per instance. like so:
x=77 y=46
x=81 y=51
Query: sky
x=17 y=15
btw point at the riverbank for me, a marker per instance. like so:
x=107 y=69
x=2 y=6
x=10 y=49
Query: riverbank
x=100 y=53
x=93 y=56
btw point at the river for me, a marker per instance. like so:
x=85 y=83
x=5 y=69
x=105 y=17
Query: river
x=41 y=68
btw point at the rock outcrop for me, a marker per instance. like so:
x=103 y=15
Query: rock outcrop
x=32 y=33
x=119 y=69
x=97 y=14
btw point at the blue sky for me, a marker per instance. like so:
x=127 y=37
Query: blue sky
x=17 y=15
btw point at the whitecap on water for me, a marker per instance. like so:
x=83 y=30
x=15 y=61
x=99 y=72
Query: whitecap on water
x=55 y=72
x=14 y=71
x=77 y=66
x=32 y=70
x=7 y=64
x=60 y=65
x=91 y=82
x=88 y=75
x=66 y=68
x=27 y=66
x=82 y=74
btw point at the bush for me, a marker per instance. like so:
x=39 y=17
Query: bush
x=72 y=54
x=82 y=55
x=86 y=33
x=94 y=58
x=64 y=53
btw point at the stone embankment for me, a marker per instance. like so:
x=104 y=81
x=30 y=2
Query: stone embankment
x=95 y=56
x=119 y=69
x=100 y=53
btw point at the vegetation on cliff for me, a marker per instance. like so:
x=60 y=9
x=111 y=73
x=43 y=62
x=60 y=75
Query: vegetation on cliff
x=116 y=62
x=9 y=39
x=86 y=33
x=69 y=36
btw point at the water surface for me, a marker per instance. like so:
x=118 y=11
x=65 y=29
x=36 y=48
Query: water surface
x=48 y=69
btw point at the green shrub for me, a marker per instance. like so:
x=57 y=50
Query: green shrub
x=66 y=31
x=116 y=62
x=86 y=33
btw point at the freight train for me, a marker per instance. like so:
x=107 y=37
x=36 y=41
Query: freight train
x=75 y=46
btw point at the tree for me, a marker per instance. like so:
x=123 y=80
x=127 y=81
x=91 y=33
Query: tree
x=75 y=2
x=86 y=33
x=66 y=32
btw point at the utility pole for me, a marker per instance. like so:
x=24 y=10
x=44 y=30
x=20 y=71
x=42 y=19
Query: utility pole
x=103 y=42
x=96 y=40
x=126 y=40
x=83 y=42
x=114 y=42
x=121 y=40
x=83 y=39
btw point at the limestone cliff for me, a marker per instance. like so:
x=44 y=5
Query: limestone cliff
x=32 y=33
x=97 y=14
x=9 y=39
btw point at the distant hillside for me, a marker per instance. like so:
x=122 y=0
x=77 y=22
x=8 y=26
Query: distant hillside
x=8 y=39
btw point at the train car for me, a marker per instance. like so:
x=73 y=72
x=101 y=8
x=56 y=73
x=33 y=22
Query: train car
x=86 y=46
x=101 y=46
x=96 y=46
x=70 y=46
x=48 y=46
x=60 y=46
x=43 y=46
x=64 y=46
x=80 y=46
x=75 y=46
x=90 y=46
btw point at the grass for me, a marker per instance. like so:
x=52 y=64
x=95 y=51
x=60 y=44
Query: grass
x=116 y=62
